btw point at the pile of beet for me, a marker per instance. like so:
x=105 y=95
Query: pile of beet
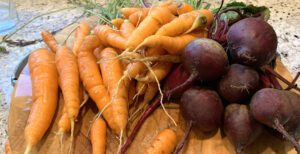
x=244 y=94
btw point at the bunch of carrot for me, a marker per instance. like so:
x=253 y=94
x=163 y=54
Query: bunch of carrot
x=115 y=65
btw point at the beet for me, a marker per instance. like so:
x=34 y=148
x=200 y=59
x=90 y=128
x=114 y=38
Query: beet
x=273 y=108
x=205 y=60
x=239 y=83
x=240 y=127
x=252 y=41
x=175 y=78
x=201 y=108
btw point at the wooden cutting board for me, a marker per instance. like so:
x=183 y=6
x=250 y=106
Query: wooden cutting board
x=198 y=142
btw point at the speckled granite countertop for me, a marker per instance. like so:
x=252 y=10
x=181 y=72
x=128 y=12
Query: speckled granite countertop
x=285 y=18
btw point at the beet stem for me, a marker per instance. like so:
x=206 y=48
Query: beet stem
x=185 y=137
x=286 y=135
x=183 y=86
x=271 y=71
x=265 y=80
x=139 y=124
x=293 y=82
x=275 y=82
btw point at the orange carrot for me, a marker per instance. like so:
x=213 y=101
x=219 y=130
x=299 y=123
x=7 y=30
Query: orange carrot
x=174 y=45
x=97 y=52
x=110 y=37
x=184 y=8
x=7 y=148
x=50 y=40
x=164 y=142
x=126 y=28
x=98 y=136
x=131 y=10
x=156 y=18
x=150 y=92
x=117 y=22
x=160 y=70
x=137 y=17
x=183 y=23
x=93 y=83
x=64 y=123
x=112 y=73
x=82 y=31
x=66 y=63
x=44 y=78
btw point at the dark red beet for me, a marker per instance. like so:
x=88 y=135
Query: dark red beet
x=273 y=108
x=252 y=41
x=240 y=127
x=201 y=108
x=205 y=60
x=174 y=79
x=239 y=83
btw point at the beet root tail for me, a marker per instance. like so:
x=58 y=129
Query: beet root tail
x=286 y=135
x=184 y=139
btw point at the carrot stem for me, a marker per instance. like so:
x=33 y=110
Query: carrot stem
x=185 y=137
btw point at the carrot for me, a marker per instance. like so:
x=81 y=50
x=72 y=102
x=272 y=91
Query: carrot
x=160 y=70
x=44 y=79
x=110 y=37
x=82 y=31
x=150 y=92
x=98 y=136
x=112 y=73
x=117 y=22
x=66 y=63
x=7 y=148
x=64 y=123
x=50 y=40
x=182 y=24
x=92 y=80
x=137 y=17
x=174 y=45
x=126 y=12
x=164 y=143
x=126 y=28
x=67 y=67
x=97 y=52
x=156 y=18
x=184 y=8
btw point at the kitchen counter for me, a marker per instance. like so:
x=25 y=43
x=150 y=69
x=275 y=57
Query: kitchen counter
x=285 y=18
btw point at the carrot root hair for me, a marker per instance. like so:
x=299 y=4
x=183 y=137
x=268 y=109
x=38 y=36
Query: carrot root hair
x=28 y=149
x=161 y=94
x=72 y=134
x=120 y=142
